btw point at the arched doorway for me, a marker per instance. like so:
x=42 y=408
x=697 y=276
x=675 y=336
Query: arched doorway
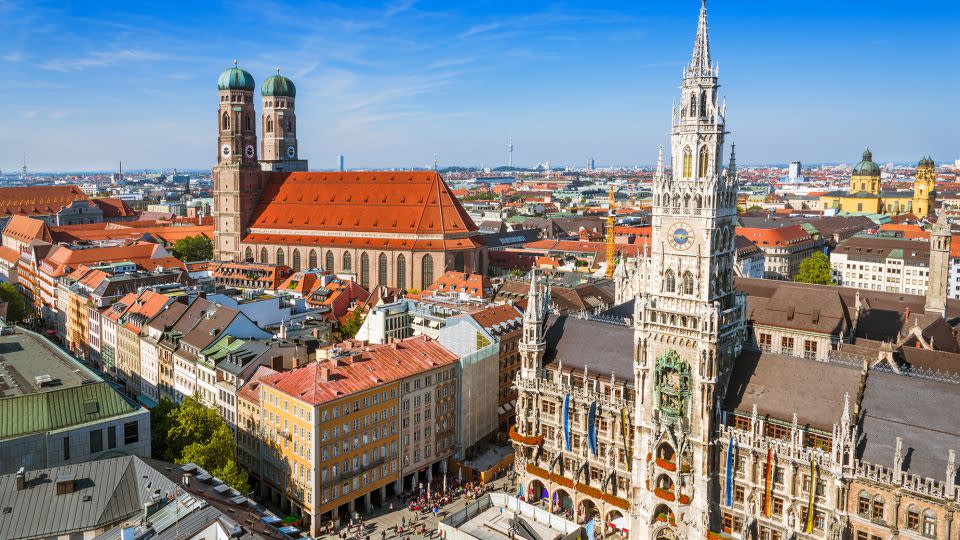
x=562 y=502
x=587 y=511
x=536 y=491
x=616 y=524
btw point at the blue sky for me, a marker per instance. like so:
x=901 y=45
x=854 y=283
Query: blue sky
x=87 y=84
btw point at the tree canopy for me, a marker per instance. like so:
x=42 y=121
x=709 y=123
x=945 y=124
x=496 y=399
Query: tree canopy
x=193 y=433
x=352 y=325
x=193 y=248
x=17 y=309
x=815 y=269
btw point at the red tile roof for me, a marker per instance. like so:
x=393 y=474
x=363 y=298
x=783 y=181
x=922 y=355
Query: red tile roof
x=38 y=200
x=26 y=229
x=113 y=208
x=148 y=255
x=476 y=285
x=454 y=244
x=412 y=202
x=361 y=368
x=777 y=236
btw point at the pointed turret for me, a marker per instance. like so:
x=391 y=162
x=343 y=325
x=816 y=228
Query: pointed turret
x=939 y=266
x=531 y=342
x=660 y=167
x=700 y=63
x=732 y=170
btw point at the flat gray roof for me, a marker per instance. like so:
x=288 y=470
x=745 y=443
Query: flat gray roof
x=25 y=356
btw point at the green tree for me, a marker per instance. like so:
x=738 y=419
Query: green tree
x=193 y=248
x=17 y=309
x=815 y=269
x=193 y=433
x=352 y=325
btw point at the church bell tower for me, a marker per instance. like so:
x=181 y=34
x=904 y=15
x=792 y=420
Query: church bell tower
x=280 y=150
x=236 y=177
x=689 y=322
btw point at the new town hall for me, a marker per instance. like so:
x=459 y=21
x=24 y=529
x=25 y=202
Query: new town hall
x=709 y=406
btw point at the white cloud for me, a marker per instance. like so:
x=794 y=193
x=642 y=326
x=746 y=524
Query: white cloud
x=15 y=56
x=480 y=29
x=98 y=59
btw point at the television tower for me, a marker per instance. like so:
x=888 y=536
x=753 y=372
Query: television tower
x=23 y=171
x=510 y=153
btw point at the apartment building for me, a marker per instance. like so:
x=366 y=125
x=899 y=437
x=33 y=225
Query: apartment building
x=784 y=248
x=332 y=430
x=882 y=264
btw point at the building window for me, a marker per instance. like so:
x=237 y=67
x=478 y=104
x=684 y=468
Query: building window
x=809 y=349
x=786 y=345
x=312 y=259
x=401 y=271
x=458 y=262
x=296 y=260
x=704 y=162
x=96 y=441
x=280 y=256
x=687 y=283
x=364 y=270
x=877 y=513
x=929 y=524
x=687 y=163
x=382 y=269
x=66 y=448
x=347 y=263
x=426 y=271
x=669 y=282
x=328 y=264
x=765 y=341
x=131 y=432
x=693 y=105
x=263 y=255
x=913 y=518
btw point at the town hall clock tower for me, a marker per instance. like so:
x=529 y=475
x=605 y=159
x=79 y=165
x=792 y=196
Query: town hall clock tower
x=688 y=322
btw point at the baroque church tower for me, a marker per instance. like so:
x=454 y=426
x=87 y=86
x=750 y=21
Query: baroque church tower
x=688 y=321
x=237 y=179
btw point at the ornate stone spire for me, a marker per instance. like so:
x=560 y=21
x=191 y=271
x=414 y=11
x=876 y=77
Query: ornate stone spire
x=732 y=169
x=700 y=64
x=660 y=167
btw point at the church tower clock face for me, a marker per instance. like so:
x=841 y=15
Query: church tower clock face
x=680 y=236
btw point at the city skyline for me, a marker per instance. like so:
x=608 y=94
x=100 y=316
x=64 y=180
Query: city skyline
x=391 y=85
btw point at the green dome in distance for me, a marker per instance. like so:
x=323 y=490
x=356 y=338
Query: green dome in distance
x=278 y=86
x=867 y=167
x=236 y=79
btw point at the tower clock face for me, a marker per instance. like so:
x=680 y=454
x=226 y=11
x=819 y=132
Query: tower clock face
x=291 y=152
x=680 y=236
x=225 y=150
x=249 y=151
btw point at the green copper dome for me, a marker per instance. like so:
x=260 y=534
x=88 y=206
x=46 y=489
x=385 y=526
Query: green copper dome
x=278 y=86
x=867 y=167
x=927 y=162
x=236 y=79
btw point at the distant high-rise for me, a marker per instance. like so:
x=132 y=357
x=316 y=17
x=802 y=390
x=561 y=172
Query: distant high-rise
x=591 y=164
x=340 y=162
x=510 y=153
x=795 y=169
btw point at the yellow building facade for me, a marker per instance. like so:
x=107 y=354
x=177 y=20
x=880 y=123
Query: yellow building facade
x=866 y=197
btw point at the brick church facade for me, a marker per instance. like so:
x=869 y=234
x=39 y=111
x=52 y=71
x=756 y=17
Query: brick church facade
x=392 y=228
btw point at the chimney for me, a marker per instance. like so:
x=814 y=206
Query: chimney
x=65 y=484
x=21 y=479
x=325 y=372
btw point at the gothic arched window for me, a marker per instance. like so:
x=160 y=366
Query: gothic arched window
x=328 y=264
x=929 y=524
x=226 y=121
x=269 y=125
x=703 y=104
x=704 y=162
x=669 y=282
x=263 y=256
x=312 y=259
x=347 y=263
x=364 y=270
x=687 y=163
x=426 y=271
x=296 y=260
x=401 y=271
x=693 y=105
x=382 y=270
x=279 y=255
x=458 y=263
x=687 y=283
x=698 y=201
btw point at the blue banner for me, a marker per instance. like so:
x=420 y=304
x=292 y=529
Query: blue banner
x=592 y=428
x=589 y=527
x=566 y=421
x=730 y=472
